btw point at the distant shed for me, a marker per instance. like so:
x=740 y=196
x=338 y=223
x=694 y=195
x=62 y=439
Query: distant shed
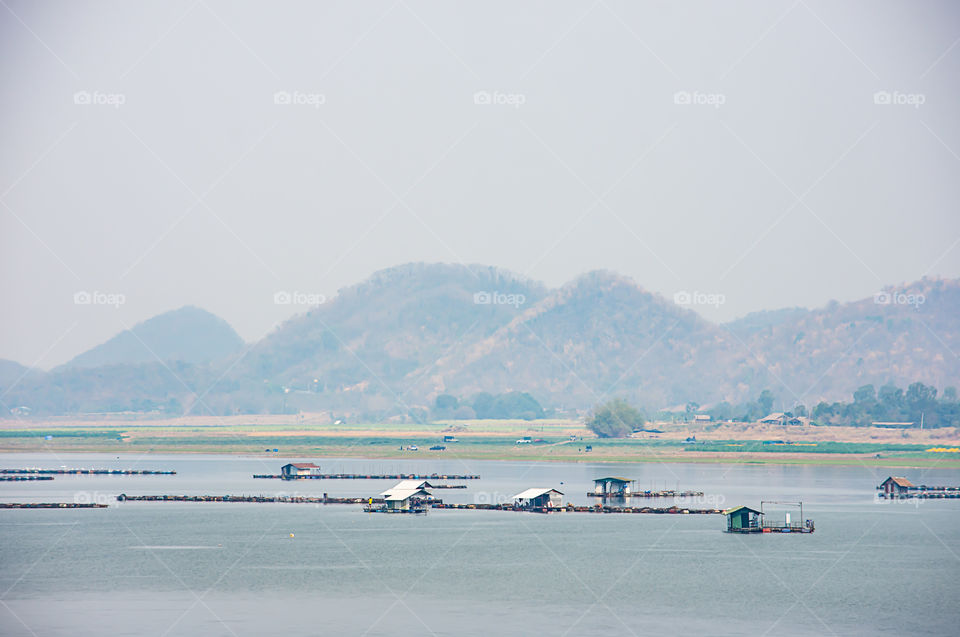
x=743 y=519
x=295 y=469
x=539 y=498
x=406 y=499
x=896 y=486
x=612 y=486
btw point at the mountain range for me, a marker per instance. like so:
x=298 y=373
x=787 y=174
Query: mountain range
x=388 y=346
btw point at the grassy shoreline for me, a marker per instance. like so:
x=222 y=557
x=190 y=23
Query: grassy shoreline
x=482 y=440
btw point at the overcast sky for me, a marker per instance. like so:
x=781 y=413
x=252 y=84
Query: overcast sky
x=214 y=153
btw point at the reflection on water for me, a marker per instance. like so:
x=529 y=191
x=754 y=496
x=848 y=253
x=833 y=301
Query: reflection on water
x=212 y=569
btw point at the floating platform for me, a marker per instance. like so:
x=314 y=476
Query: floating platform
x=776 y=528
x=51 y=505
x=88 y=472
x=743 y=519
x=382 y=509
x=368 y=476
x=597 y=508
x=648 y=494
x=24 y=478
x=941 y=493
x=265 y=499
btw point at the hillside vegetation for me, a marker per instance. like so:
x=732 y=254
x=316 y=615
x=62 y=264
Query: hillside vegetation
x=389 y=346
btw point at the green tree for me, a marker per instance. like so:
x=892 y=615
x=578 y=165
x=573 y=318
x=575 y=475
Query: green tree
x=615 y=419
x=765 y=401
x=891 y=401
x=483 y=404
x=445 y=402
x=866 y=394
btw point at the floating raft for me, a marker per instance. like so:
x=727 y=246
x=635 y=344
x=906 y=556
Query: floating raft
x=648 y=494
x=378 y=509
x=24 y=478
x=578 y=509
x=51 y=505
x=945 y=493
x=88 y=472
x=266 y=499
x=361 y=476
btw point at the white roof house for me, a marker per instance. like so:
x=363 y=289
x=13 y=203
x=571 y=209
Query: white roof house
x=299 y=469
x=401 y=498
x=538 y=497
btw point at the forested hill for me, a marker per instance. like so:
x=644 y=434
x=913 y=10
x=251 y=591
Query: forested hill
x=390 y=345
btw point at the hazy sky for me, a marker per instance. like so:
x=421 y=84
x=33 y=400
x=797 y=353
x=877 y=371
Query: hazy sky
x=214 y=153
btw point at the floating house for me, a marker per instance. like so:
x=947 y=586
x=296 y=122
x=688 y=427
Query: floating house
x=539 y=498
x=746 y=520
x=612 y=487
x=406 y=501
x=743 y=519
x=896 y=487
x=407 y=496
x=297 y=469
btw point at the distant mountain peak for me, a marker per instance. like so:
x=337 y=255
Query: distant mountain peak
x=190 y=334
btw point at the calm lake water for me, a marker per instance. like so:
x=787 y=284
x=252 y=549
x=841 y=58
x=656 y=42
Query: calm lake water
x=233 y=569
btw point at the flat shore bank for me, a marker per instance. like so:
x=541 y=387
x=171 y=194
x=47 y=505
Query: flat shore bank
x=529 y=441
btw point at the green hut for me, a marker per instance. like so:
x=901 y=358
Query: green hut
x=743 y=519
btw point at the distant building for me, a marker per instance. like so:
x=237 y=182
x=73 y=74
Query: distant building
x=612 y=486
x=895 y=486
x=701 y=418
x=798 y=421
x=406 y=499
x=743 y=520
x=776 y=418
x=539 y=498
x=297 y=469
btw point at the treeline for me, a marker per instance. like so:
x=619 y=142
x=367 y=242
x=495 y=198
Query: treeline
x=892 y=404
x=869 y=405
x=512 y=405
